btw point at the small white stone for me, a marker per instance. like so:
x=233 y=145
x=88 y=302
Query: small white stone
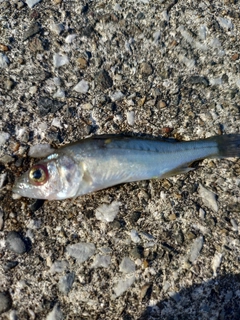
x=131 y=118
x=66 y=282
x=196 y=249
x=57 y=81
x=56 y=28
x=122 y=285
x=234 y=224
x=32 y=3
x=134 y=236
x=59 y=266
x=40 y=151
x=82 y=87
x=216 y=261
x=215 y=81
x=87 y=106
x=189 y=63
x=215 y=43
x=59 y=94
x=208 y=198
x=60 y=60
x=81 y=251
x=202 y=32
x=202 y=214
x=225 y=23
x=101 y=261
x=107 y=212
x=127 y=265
x=116 y=96
x=56 y=123
x=4 y=61
x=4 y=136
x=70 y=38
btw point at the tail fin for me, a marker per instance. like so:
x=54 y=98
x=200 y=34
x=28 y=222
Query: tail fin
x=228 y=145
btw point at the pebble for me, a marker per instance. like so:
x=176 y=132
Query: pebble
x=4 y=136
x=199 y=80
x=127 y=265
x=47 y=105
x=202 y=214
x=57 y=28
x=70 y=38
x=107 y=212
x=134 y=236
x=9 y=265
x=146 y=69
x=161 y=104
x=235 y=56
x=6 y=159
x=60 y=93
x=208 y=198
x=31 y=31
x=131 y=118
x=32 y=3
x=40 y=151
x=216 y=261
x=136 y=252
x=60 y=60
x=225 y=23
x=3 y=47
x=59 y=266
x=116 y=96
x=82 y=87
x=4 y=61
x=122 y=285
x=82 y=63
x=196 y=249
x=15 y=243
x=81 y=251
x=66 y=282
x=103 y=79
x=55 y=314
x=101 y=261
x=9 y=84
x=5 y=301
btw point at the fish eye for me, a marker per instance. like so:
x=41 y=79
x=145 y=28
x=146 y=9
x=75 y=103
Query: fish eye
x=38 y=174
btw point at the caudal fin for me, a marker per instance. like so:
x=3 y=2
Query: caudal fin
x=228 y=145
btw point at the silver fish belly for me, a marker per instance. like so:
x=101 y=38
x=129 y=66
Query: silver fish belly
x=103 y=161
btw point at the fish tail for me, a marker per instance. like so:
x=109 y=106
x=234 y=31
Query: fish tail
x=228 y=145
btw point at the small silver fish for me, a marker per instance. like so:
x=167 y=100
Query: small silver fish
x=103 y=161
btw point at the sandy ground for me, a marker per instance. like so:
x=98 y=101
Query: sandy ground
x=69 y=69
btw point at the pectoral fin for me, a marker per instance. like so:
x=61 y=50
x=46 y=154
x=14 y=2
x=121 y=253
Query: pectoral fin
x=176 y=171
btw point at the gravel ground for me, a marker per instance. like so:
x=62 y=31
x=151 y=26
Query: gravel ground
x=70 y=69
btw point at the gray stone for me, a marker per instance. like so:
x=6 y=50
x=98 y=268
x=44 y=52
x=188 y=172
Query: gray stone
x=5 y=301
x=15 y=243
x=31 y=31
x=46 y=105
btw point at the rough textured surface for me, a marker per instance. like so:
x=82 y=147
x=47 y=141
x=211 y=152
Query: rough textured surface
x=166 y=68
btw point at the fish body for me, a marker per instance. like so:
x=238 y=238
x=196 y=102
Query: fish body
x=103 y=161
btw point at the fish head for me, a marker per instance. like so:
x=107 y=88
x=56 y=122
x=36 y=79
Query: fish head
x=54 y=178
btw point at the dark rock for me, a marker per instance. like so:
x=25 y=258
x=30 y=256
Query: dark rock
x=31 y=31
x=9 y=265
x=103 y=79
x=46 y=105
x=199 y=80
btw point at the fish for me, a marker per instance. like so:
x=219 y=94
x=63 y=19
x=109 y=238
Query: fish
x=103 y=161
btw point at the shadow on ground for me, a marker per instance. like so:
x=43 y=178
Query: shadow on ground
x=218 y=298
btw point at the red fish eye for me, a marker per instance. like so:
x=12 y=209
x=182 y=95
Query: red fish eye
x=38 y=174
